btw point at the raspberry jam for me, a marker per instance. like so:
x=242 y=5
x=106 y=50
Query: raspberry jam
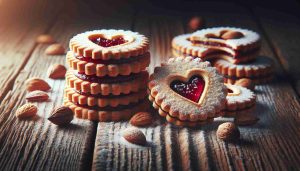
x=191 y=90
x=229 y=90
x=108 y=42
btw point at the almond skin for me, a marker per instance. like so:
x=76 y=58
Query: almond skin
x=57 y=71
x=37 y=96
x=228 y=131
x=45 y=39
x=141 y=119
x=245 y=82
x=55 y=49
x=245 y=119
x=61 y=116
x=26 y=111
x=232 y=35
x=134 y=136
x=195 y=23
x=33 y=84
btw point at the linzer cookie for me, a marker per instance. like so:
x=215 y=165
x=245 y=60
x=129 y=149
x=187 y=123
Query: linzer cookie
x=187 y=91
x=108 y=113
x=238 y=99
x=110 y=68
x=109 y=44
x=233 y=44
x=107 y=80
x=259 y=70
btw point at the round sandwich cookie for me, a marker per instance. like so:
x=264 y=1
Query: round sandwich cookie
x=182 y=45
x=260 y=70
x=235 y=41
x=103 y=101
x=109 y=44
x=93 y=85
x=187 y=91
x=108 y=113
x=112 y=68
x=238 y=99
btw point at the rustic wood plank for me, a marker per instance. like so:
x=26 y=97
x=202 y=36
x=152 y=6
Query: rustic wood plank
x=264 y=146
x=282 y=31
x=18 y=38
x=37 y=144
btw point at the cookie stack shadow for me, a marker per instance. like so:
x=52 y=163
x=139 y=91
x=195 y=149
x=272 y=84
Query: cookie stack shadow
x=106 y=80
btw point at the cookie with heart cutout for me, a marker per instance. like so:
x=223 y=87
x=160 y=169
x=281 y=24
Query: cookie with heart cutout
x=109 y=44
x=238 y=99
x=260 y=70
x=187 y=91
x=235 y=41
x=110 y=68
x=183 y=46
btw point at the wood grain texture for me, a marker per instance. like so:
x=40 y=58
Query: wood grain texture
x=265 y=146
x=282 y=31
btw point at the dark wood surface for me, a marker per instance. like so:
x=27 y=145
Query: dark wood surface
x=271 y=144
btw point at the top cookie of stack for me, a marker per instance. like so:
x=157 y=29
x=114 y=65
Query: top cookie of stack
x=107 y=77
x=234 y=51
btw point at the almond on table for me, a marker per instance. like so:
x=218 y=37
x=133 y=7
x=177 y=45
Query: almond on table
x=55 y=49
x=134 y=136
x=57 y=71
x=61 y=115
x=37 y=84
x=141 y=119
x=45 y=39
x=26 y=111
x=228 y=131
x=37 y=96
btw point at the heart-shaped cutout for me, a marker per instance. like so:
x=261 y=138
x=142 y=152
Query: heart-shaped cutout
x=103 y=41
x=192 y=89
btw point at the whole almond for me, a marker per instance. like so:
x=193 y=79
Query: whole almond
x=135 y=136
x=61 y=116
x=195 y=23
x=57 y=71
x=228 y=131
x=141 y=119
x=37 y=84
x=45 y=39
x=37 y=96
x=26 y=111
x=245 y=119
x=245 y=82
x=232 y=35
x=55 y=49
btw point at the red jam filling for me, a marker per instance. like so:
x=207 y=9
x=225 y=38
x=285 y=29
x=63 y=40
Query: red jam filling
x=191 y=90
x=108 y=42
x=107 y=79
x=229 y=90
x=110 y=108
x=238 y=53
x=112 y=61
x=110 y=96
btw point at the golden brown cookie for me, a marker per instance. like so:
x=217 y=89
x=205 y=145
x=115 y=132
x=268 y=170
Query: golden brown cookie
x=238 y=99
x=103 y=101
x=188 y=89
x=132 y=84
x=110 y=68
x=107 y=114
x=183 y=46
x=109 y=44
x=260 y=70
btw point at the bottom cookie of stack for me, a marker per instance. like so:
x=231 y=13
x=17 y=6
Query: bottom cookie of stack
x=108 y=113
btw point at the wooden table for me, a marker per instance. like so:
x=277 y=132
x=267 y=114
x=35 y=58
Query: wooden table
x=272 y=144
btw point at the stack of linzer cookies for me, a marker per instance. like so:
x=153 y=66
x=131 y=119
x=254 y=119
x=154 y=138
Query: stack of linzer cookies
x=107 y=81
x=107 y=77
